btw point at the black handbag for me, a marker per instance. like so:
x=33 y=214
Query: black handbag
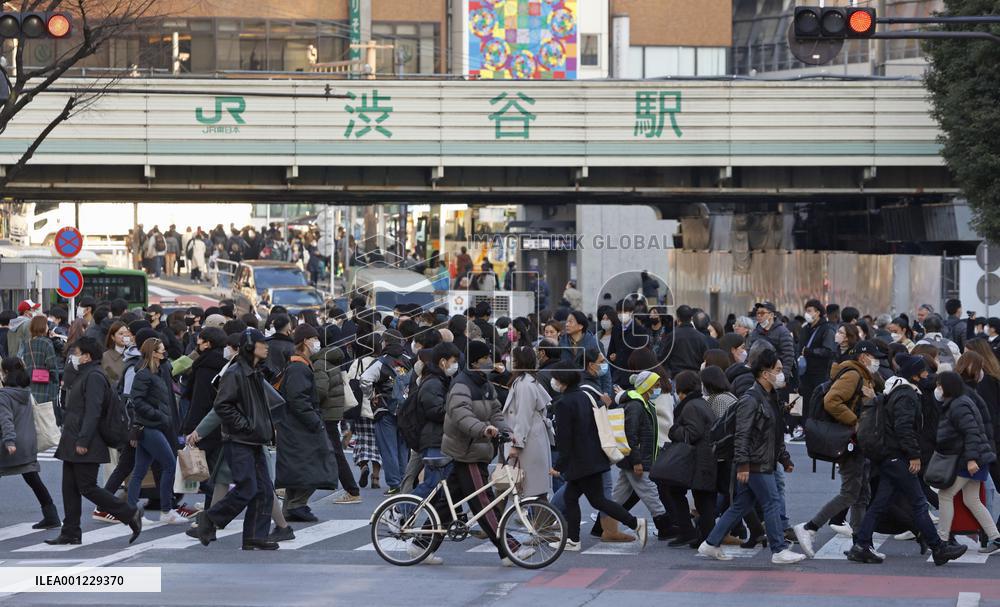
x=675 y=465
x=825 y=440
x=941 y=471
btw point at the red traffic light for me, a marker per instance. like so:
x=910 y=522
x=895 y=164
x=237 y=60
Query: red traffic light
x=860 y=22
x=58 y=25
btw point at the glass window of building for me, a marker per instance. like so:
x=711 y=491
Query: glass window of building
x=590 y=53
x=415 y=48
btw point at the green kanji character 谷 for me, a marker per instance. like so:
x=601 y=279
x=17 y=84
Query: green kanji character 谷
x=513 y=114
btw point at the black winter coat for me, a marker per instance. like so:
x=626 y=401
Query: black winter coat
x=81 y=416
x=306 y=459
x=579 y=447
x=693 y=419
x=961 y=431
x=784 y=344
x=431 y=398
x=688 y=351
x=242 y=405
x=153 y=402
x=641 y=431
x=279 y=351
x=819 y=352
x=756 y=442
x=740 y=379
x=902 y=424
x=200 y=392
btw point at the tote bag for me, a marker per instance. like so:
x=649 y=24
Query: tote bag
x=46 y=430
x=605 y=433
x=941 y=470
x=181 y=484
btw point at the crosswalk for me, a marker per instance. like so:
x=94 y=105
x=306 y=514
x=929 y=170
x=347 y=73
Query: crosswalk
x=20 y=541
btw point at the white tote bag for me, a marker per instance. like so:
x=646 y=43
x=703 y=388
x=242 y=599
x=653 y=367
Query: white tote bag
x=46 y=430
x=605 y=432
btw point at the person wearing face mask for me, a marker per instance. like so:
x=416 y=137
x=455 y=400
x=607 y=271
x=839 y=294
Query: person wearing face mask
x=818 y=348
x=306 y=460
x=853 y=381
x=738 y=372
x=769 y=327
x=901 y=333
x=898 y=464
x=330 y=389
x=200 y=391
x=525 y=410
x=113 y=361
x=758 y=450
x=846 y=337
x=18 y=333
x=993 y=335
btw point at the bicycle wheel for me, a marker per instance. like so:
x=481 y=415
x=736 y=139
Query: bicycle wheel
x=395 y=530
x=537 y=538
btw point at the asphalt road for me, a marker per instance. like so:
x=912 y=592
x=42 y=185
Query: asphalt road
x=332 y=563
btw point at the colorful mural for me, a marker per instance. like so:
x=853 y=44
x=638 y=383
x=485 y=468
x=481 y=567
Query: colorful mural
x=523 y=39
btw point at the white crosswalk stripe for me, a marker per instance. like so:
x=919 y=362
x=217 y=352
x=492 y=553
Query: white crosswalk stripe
x=91 y=537
x=320 y=532
x=834 y=549
x=18 y=530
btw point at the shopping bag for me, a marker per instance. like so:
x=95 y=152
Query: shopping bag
x=271 y=456
x=605 y=433
x=617 y=419
x=505 y=474
x=46 y=430
x=181 y=484
x=193 y=464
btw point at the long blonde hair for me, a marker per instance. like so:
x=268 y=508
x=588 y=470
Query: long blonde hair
x=990 y=364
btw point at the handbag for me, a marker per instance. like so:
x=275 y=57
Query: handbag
x=38 y=376
x=194 y=464
x=800 y=363
x=605 y=433
x=506 y=473
x=181 y=484
x=827 y=441
x=353 y=394
x=46 y=431
x=942 y=470
x=675 y=465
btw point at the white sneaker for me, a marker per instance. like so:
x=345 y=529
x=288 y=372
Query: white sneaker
x=787 y=557
x=878 y=554
x=640 y=532
x=904 y=536
x=522 y=553
x=713 y=552
x=415 y=551
x=844 y=530
x=571 y=546
x=805 y=538
x=173 y=517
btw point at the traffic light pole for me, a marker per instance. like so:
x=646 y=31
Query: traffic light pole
x=936 y=36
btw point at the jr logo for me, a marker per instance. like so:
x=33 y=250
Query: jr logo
x=234 y=105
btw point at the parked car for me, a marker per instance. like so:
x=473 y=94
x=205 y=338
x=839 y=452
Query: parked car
x=295 y=299
x=253 y=279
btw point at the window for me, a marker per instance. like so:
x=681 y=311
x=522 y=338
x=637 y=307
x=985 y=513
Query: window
x=415 y=48
x=590 y=50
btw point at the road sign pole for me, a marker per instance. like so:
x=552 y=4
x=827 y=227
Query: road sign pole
x=72 y=309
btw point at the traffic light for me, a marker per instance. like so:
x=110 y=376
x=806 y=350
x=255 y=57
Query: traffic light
x=34 y=25
x=814 y=22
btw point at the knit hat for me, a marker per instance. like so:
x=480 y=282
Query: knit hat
x=909 y=365
x=216 y=321
x=477 y=350
x=146 y=333
x=644 y=381
x=303 y=332
x=138 y=325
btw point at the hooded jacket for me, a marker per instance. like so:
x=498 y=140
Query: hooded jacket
x=642 y=432
x=740 y=379
x=903 y=419
x=17 y=334
x=961 y=430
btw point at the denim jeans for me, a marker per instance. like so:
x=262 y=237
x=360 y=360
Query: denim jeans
x=895 y=477
x=762 y=488
x=153 y=446
x=393 y=449
x=432 y=476
x=779 y=481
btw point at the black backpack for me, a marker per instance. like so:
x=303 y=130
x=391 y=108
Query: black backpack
x=723 y=433
x=410 y=420
x=116 y=419
x=870 y=425
x=826 y=438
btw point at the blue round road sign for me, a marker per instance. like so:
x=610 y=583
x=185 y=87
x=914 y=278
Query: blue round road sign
x=70 y=282
x=69 y=242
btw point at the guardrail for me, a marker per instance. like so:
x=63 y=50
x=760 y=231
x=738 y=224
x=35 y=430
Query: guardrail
x=221 y=272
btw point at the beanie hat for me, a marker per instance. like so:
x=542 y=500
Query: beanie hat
x=303 y=332
x=477 y=350
x=909 y=365
x=146 y=333
x=644 y=381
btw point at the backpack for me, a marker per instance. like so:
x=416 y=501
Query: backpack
x=410 y=420
x=160 y=243
x=723 y=433
x=826 y=438
x=400 y=387
x=870 y=436
x=116 y=419
x=945 y=355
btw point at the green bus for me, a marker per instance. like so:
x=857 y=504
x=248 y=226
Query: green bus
x=104 y=284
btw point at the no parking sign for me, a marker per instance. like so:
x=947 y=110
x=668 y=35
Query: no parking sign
x=70 y=282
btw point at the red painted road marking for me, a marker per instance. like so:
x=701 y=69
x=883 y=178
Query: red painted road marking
x=577 y=577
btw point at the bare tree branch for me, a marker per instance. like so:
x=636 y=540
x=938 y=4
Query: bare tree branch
x=30 y=152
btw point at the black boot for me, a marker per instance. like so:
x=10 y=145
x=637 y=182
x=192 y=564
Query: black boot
x=63 y=539
x=863 y=555
x=946 y=551
x=597 y=530
x=50 y=518
x=206 y=529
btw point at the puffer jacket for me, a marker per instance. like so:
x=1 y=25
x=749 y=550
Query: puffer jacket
x=984 y=412
x=153 y=402
x=961 y=431
x=471 y=406
x=903 y=419
x=329 y=382
x=642 y=432
x=693 y=421
x=784 y=344
x=740 y=379
x=843 y=400
x=17 y=429
x=431 y=400
x=757 y=446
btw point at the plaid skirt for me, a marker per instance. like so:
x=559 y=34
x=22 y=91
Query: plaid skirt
x=365 y=449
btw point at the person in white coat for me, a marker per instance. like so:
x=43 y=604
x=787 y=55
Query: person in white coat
x=525 y=412
x=199 y=266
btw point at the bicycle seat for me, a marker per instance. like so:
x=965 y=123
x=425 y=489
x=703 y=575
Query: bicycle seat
x=437 y=462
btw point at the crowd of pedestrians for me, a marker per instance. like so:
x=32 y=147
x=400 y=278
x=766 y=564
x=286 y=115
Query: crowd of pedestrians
x=900 y=405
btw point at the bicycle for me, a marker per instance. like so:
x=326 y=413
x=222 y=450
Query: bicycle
x=404 y=527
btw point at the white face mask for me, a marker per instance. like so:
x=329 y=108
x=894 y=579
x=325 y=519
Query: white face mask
x=625 y=317
x=896 y=337
x=873 y=367
x=809 y=317
x=558 y=387
x=418 y=368
x=452 y=369
x=939 y=394
x=269 y=332
x=228 y=353
x=128 y=341
x=779 y=380
x=766 y=323
x=606 y=324
x=742 y=358
x=74 y=360
x=314 y=346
